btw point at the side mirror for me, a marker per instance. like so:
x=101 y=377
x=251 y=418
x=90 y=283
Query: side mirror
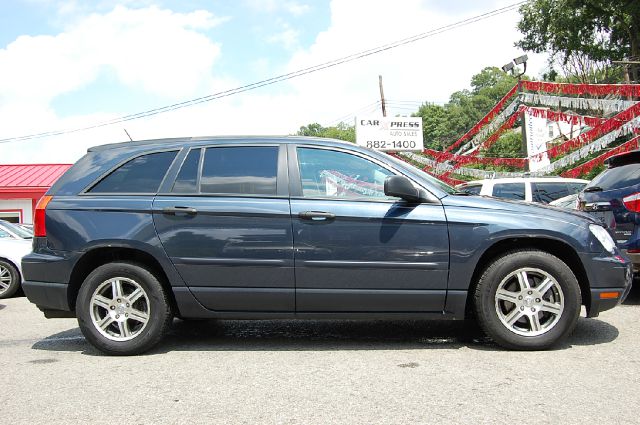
x=401 y=187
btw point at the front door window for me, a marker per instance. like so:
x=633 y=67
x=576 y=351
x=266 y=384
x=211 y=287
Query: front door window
x=334 y=174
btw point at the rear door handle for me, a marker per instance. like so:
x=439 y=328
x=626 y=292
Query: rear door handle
x=316 y=215
x=179 y=210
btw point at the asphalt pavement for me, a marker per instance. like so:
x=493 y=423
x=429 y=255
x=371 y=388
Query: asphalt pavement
x=317 y=372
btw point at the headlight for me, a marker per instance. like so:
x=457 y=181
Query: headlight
x=603 y=236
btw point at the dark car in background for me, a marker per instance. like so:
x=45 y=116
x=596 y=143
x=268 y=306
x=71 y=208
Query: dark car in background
x=288 y=227
x=614 y=198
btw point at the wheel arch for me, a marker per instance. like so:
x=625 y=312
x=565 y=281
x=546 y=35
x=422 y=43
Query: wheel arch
x=15 y=266
x=12 y=263
x=558 y=248
x=99 y=256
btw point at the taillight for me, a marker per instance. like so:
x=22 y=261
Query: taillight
x=39 y=227
x=632 y=202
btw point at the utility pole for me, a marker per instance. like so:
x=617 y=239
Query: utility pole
x=384 y=108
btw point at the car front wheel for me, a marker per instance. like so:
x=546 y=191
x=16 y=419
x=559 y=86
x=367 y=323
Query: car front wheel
x=122 y=309
x=527 y=300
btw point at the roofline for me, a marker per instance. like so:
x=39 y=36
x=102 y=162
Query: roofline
x=281 y=138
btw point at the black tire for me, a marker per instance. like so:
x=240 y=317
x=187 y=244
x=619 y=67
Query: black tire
x=494 y=314
x=153 y=304
x=10 y=277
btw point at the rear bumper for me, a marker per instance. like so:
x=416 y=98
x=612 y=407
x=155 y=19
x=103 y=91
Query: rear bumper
x=47 y=295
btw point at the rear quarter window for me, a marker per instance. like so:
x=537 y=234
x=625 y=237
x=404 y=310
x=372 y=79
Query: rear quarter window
x=139 y=175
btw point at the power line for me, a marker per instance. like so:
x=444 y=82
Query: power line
x=273 y=80
x=419 y=102
x=366 y=108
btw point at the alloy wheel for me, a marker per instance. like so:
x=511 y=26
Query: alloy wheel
x=5 y=279
x=529 y=302
x=120 y=309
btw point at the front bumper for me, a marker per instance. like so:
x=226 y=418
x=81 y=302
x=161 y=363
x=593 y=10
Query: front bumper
x=610 y=280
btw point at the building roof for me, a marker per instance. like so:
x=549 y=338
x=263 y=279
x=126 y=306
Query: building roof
x=26 y=176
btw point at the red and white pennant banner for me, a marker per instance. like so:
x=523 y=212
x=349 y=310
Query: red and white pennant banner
x=585 y=168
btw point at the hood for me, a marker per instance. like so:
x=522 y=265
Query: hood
x=518 y=207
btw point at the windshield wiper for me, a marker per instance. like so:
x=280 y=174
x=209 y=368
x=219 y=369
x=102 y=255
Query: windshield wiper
x=593 y=189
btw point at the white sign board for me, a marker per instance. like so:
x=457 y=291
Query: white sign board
x=390 y=134
x=537 y=136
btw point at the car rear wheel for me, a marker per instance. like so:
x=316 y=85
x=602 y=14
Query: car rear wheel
x=9 y=279
x=527 y=300
x=123 y=309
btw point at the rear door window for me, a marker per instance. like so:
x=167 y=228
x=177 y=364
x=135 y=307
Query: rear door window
x=243 y=170
x=140 y=175
x=186 y=181
x=509 y=191
x=617 y=178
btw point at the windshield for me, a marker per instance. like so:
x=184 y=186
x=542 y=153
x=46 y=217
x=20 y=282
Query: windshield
x=428 y=177
x=17 y=230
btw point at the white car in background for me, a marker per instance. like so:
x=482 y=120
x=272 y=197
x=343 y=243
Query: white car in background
x=531 y=189
x=569 y=202
x=15 y=243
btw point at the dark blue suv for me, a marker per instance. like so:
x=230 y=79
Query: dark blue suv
x=613 y=197
x=286 y=227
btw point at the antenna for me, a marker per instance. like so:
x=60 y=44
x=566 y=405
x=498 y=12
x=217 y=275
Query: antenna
x=125 y=130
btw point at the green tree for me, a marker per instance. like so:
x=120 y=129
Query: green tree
x=583 y=35
x=508 y=145
x=341 y=131
x=443 y=125
x=434 y=125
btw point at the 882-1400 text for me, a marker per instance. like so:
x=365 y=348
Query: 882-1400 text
x=395 y=144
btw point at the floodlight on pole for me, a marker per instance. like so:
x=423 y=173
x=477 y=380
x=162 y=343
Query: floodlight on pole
x=521 y=59
x=507 y=67
x=515 y=71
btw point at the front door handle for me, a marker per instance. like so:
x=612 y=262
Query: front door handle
x=316 y=215
x=179 y=210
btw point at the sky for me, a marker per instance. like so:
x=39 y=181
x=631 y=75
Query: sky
x=72 y=64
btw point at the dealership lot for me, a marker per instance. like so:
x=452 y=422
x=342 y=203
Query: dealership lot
x=318 y=372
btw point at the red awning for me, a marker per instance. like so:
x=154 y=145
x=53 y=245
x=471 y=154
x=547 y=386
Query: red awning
x=30 y=176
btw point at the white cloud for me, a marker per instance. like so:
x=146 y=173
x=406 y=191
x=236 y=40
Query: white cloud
x=157 y=50
x=430 y=69
x=292 y=7
x=296 y=9
x=288 y=37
